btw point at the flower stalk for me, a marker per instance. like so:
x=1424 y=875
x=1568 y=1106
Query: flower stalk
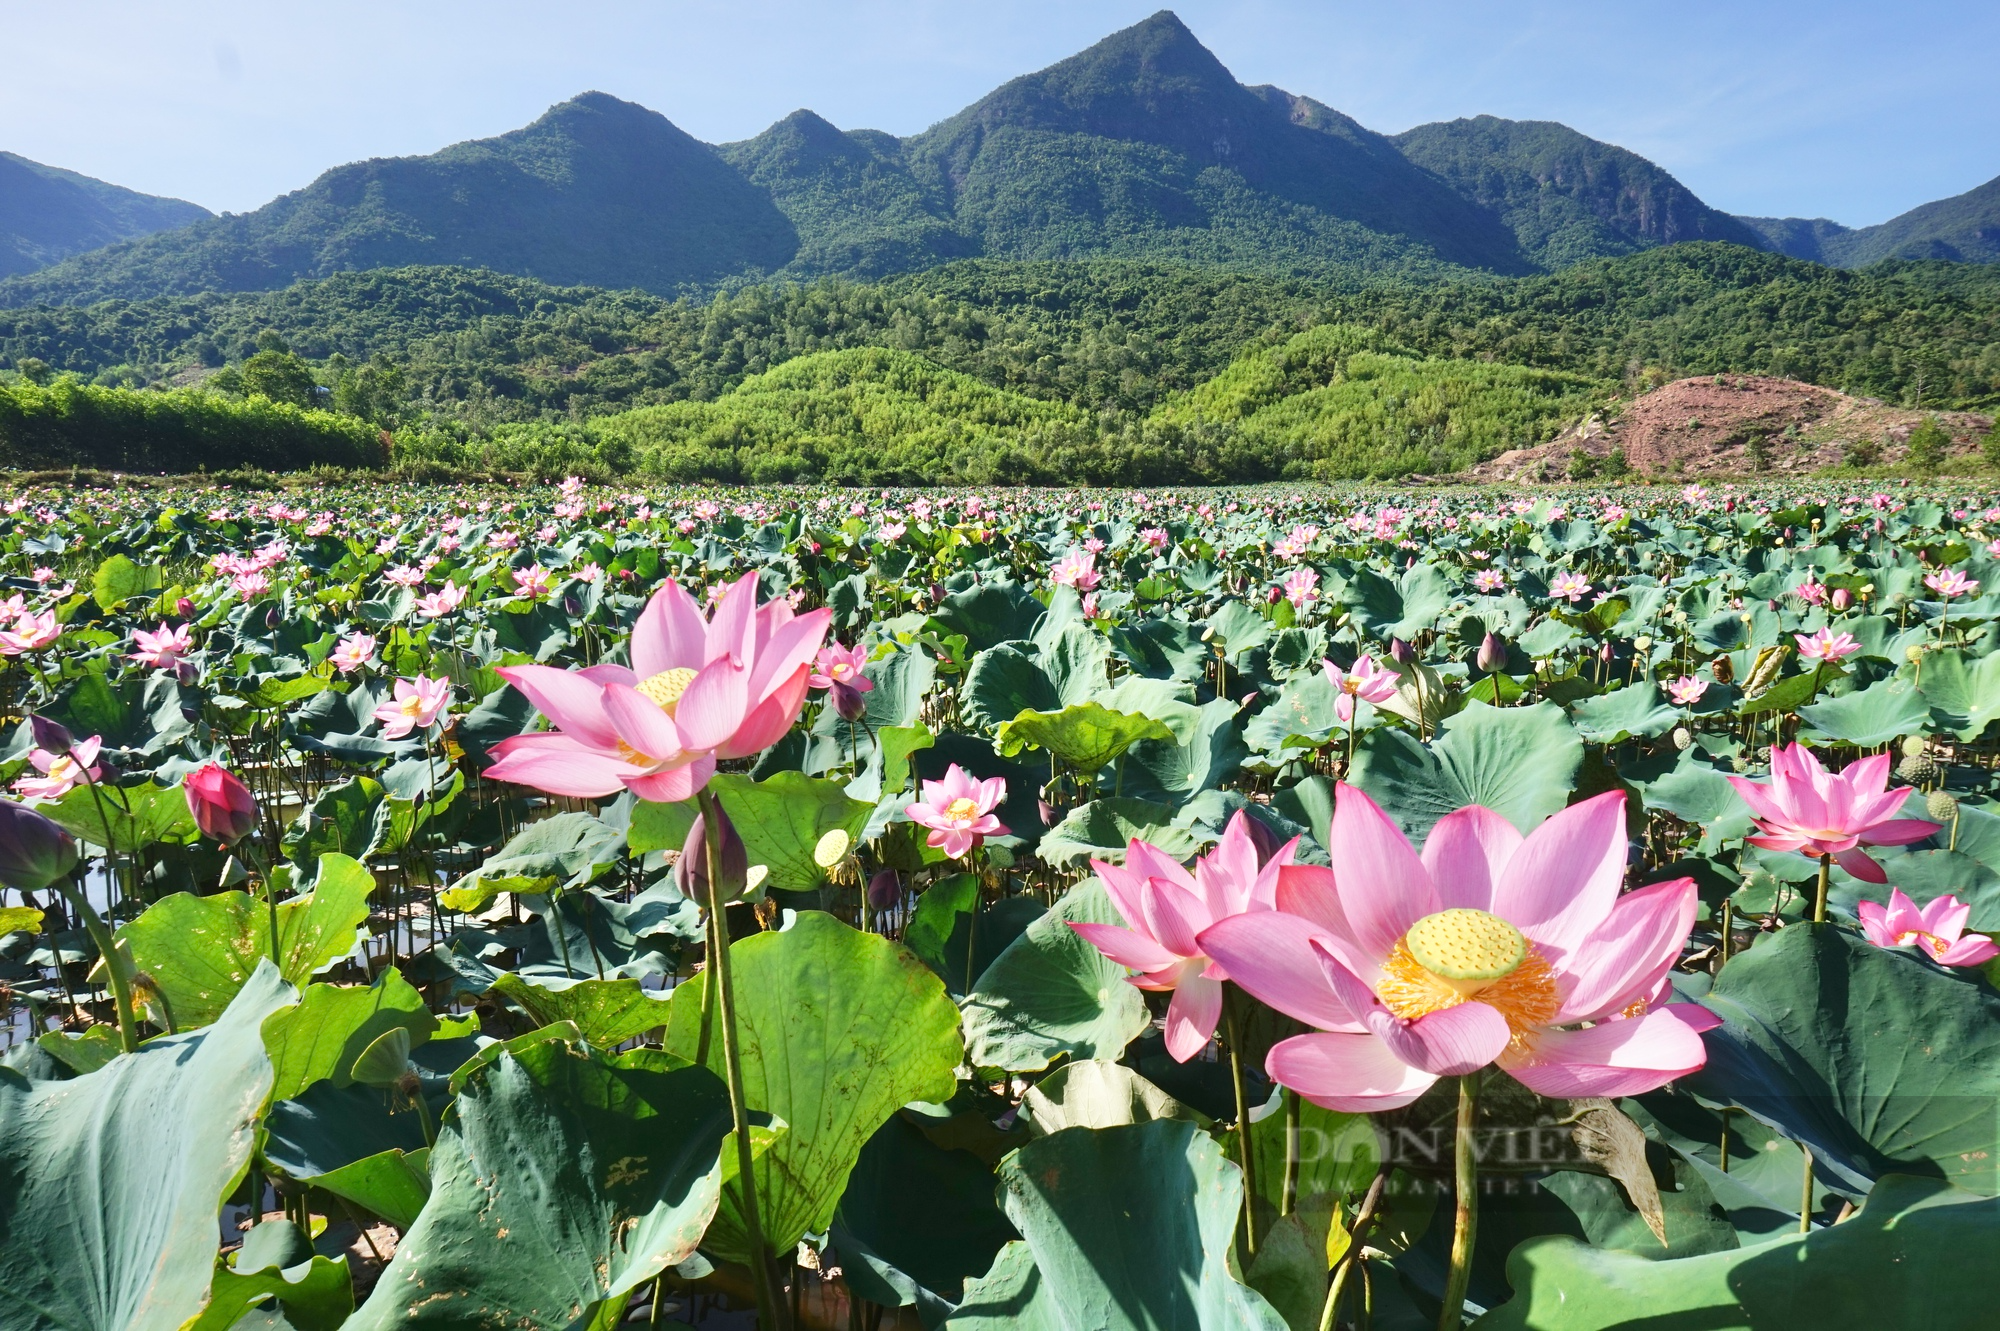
x=1465 y=1217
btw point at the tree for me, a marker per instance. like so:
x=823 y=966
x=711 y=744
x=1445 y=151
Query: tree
x=281 y=377
x=35 y=371
x=1758 y=453
x=1927 y=445
x=1989 y=447
x=1861 y=454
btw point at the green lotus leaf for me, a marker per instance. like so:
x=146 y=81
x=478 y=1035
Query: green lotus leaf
x=606 y=1012
x=1520 y=762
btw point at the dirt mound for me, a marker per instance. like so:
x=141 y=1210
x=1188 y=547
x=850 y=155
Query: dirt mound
x=1735 y=425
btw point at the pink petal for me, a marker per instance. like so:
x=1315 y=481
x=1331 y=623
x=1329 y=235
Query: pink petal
x=571 y=702
x=714 y=706
x=1226 y=875
x=1121 y=884
x=768 y=720
x=1758 y=795
x=790 y=647
x=1693 y=1015
x=556 y=764
x=732 y=632
x=669 y=634
x=1447 y=1043
x=1149 y=861
x=1352 y=1074
x=1191 y=1016
x=1465 y=854
x=1270 y=956
x=1971 y=950
x=1613 y=1058
x=1900 y=831
x=641 y=724
x=1384 y=888
x=1173 y=916
x=1902 y=915
x=673 y=785
x=1561 y=883
x=1859 y=863
x=1129 y=949
x=1946 y=917
x=1628 y=955
x=1875 y=924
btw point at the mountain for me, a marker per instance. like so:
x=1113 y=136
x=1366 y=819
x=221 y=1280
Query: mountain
x=48 y=214
x=1963 y=229
x=597 y=191
x=1565 y=196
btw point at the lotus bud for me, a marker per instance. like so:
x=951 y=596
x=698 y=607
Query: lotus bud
x=1605 y=653
x=223 y=806
x=691 y=870
x=1050 y=815
x=937 y=593
x=848 y=702
x=188 y=676
x=1401 y=652
x=572 y=606
x=1842 y=598
x=184 y=607
x=1273 y=594
x=885 y=890
x=1492 y=653
x=51 y=736
x=1941 y=806
x=271 y=617
x=34 y=850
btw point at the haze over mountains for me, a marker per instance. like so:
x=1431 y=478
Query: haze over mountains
x=1143 y=146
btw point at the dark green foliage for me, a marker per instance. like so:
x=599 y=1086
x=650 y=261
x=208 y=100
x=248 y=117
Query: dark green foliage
x=1566 y=197
x=77 y=425
x=48 y=214
x=279 y=376
x=1927 y=445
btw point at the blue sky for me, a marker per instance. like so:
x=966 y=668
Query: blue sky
x=1839 y=109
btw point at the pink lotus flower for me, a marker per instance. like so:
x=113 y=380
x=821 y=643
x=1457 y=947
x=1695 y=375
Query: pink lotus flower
x=1167 y=907
x=1826 y=645
x=1936 y=929
x=250 y=585
x=405 y=575
x=959 y=810
x=222 y=805
x=1365 y=680
x=441 y=602
x=1490 y=947
x=355 y=652
x=1812 y=593
x=1805 y=808
x=1301 y=587
x=533 y=582
x=1687 y=690
x=840 y=665
x=1489 y=580
x=416 y=706
x=1571 y=587
x=1077 y=569
x=1950 y=582
x=61 y=772
x=30 y=633
x=163 y=649
x=698 y=690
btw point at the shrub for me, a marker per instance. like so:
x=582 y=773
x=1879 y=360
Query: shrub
x=69 y=424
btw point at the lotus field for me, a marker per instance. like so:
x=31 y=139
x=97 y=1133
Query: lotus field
x=566 y=908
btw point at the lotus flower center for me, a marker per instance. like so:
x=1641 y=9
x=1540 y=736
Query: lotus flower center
x=962 y=810
x=1458 y=954
x=664 y=690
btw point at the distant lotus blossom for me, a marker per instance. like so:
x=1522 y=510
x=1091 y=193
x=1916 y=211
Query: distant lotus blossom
x=1812 y=593
x=1687 y=690
x=1155 y=538
x=1569 y=586
x=959 y=810
x=355 y=652
x=441 y=602
x=1937 y=930
x=1826 y=645
x=1993 y=548
x=61 y=772
x=1950 y=582
x=30 y=633
x=504 y=540
x=1364 y=680
x=163 y=649
x=416 y=706
x=891 y=532
x=840 y=665
x=1301 y=587
x=1694 y=494
x=44 y=575
x=1093 y=544
x=533 y=582
x=250 y=585
x=1807 y=809
x=405 y=575
x=590 y=572
x=1076 y=569
x=1489 y=580
x=386 y=545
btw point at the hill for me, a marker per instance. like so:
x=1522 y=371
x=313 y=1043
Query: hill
x=597 y=191
x=1962 y=229
x=1566 y=197
x=48 y=214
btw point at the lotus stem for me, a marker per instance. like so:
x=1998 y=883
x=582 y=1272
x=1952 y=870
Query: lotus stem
x=1245 y=1152
x=1363 y=1219
x=1465 y=1220
x=1825 y=882
x=732 y=1060
x=1288 y=1195
x=114 y=965
x=1805 y=1191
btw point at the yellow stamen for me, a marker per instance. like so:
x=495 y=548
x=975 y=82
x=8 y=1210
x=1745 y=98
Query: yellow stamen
x=664 y=690
x=1441 y=963
x=962 y=809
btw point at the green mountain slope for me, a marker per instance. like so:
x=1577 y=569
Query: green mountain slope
x=1565 y=196
x=597 y=191
x=48 y=214
x=1145 y=145
x=1962 y=229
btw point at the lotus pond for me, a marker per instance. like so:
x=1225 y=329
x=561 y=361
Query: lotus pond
x=1281 y=908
